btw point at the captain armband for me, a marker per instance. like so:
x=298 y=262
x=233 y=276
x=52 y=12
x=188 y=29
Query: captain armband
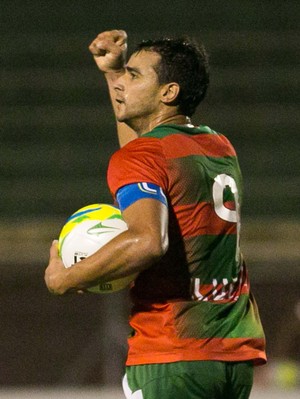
x=131 y=193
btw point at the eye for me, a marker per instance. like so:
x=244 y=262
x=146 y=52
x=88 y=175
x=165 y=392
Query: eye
x=133 y=74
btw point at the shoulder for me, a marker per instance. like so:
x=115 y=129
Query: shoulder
x=141 y=146
x=141 y=152
x=141 y=160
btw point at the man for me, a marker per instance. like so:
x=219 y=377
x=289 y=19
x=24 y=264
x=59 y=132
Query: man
x=196 y=329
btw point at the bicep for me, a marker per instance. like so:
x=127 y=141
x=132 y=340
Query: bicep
x=147 y=218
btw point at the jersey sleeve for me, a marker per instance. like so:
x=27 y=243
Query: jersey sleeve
x=140 y=161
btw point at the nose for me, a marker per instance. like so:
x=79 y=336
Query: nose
x=119 y=83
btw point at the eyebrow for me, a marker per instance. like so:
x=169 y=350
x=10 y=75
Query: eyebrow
x=130 y=69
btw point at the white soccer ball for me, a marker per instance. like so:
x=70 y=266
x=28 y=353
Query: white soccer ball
x=85 y=232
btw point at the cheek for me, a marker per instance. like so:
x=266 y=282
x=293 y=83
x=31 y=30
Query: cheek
x=142 y=96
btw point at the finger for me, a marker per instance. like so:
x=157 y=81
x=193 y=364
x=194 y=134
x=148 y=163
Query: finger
x=54 y=250
x=97 y=48
x=119 y=36
x=106 y=46
x=112 y=41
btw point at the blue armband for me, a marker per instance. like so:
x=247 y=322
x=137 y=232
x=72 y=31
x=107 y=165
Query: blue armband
x=131 y=193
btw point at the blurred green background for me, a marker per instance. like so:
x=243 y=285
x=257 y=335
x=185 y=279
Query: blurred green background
x=58 y=133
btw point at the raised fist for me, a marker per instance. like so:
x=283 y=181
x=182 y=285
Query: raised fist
x=109 y=50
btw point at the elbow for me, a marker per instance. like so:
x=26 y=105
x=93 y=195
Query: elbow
x=153 y=248
x=163 y=246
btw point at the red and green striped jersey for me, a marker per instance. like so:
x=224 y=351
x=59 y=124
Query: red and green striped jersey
x=195 y=303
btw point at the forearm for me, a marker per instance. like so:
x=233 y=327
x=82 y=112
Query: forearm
x=109 y=50
x=125 y=255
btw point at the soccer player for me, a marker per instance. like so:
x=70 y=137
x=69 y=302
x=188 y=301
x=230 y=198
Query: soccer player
x=196 y=331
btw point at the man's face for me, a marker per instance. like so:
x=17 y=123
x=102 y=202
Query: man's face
x=138 y=90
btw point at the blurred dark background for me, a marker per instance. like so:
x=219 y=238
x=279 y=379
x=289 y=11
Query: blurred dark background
x=58 y=132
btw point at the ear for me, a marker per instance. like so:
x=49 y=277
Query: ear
x=170 y=92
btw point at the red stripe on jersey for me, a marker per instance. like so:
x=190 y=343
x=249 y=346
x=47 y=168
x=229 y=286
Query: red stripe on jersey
x=210 y=145
x=230 y=205
x=201 y=219
x=189 y=349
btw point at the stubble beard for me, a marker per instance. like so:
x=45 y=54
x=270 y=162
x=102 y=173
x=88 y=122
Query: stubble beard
x=135 y=122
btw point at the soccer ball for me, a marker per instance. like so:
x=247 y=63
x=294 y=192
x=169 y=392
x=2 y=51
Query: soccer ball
x=86 y=231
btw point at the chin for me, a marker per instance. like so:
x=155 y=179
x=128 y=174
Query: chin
x=131 y=122
x=121 y=116
x=123 y=119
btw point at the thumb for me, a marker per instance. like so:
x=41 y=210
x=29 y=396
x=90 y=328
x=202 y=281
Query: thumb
x=98 y=48
x=54 y=250
x=121 y=38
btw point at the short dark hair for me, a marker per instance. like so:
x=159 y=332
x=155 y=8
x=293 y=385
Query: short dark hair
x=185 y=62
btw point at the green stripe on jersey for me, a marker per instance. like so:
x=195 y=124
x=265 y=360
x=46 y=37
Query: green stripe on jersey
x=212 y=257
x=199 y=173
x=165 y=130
x=231 y=320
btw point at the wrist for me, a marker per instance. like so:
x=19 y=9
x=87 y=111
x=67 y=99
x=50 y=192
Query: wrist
x=70 y=279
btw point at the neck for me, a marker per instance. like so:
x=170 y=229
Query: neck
x=142 y=126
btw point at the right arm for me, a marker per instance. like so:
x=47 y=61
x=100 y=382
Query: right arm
x=109 y=51
x=131 y=252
